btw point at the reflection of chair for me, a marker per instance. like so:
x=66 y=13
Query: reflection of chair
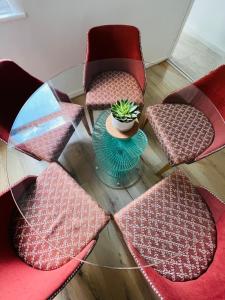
x=17 y=279
x=175 y=232
x=114 y=69
x=190 y=123
x=16 y=87
x=49 y=144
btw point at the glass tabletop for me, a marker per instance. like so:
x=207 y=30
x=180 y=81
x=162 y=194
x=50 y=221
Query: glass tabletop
x=88 y=160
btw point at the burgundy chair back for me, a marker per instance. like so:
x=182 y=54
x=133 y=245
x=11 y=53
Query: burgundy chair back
x=6 y=207
x=213 y=86
x=16 y=87
x=207 y=95
x=114 y=47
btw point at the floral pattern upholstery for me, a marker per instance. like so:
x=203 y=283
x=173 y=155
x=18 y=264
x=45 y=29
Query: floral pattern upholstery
x=61 y=219
x=109 y=87
x=50 y=144
x=183 y=131
x=172 y=228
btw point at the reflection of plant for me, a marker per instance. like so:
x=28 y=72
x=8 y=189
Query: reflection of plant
x=125 y=111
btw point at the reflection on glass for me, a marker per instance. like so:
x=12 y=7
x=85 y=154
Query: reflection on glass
x=41 y=104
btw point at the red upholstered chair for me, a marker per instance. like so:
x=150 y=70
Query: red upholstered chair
x=16 y=87
x=176 y=234
x=19 y=280
x=114 y=68
x=50 y=144
x=190 y=123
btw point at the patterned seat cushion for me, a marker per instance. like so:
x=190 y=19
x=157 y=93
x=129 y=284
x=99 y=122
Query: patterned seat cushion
x=183 y=131
x=74 y=112
x=61 y=219
x=50 y=144
x=111 y=86
x=172 y=228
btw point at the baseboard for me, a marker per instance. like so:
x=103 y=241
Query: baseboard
x=176 y=67
x=76 y=93
x=155 y=62
x=191 y=32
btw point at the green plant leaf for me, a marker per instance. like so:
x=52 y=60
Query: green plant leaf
x=125 y=110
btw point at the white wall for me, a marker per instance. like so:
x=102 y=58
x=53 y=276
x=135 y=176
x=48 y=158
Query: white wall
x=207 y=22
x=52 y=37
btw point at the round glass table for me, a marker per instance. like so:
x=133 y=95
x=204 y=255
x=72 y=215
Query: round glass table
x=47 y=134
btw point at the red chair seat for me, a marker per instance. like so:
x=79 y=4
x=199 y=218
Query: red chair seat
x=171 y=228
x=183 y=131
x=49 y=145
x=111 y=86
x=63 y=217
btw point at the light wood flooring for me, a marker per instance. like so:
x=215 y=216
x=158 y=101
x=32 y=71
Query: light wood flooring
x=101 y=283
x=195 y=58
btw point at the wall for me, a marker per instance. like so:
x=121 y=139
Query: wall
x=52 y=37
x=207 y=22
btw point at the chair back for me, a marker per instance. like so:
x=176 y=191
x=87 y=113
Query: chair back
x=114 y=47
x=6 y=206
x=213 y=86
x=15 y=88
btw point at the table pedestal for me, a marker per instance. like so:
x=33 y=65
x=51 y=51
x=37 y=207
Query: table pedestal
x=117 y=160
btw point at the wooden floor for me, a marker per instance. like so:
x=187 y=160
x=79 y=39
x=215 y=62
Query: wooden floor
x=194 y=58
x=101 y=283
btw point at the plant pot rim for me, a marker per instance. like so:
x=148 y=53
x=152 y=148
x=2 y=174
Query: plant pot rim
x=122 y=121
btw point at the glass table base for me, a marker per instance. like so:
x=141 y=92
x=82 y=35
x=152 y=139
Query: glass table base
x=121 y=179
x=117 y=160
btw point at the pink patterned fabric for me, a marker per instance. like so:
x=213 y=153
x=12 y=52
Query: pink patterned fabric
x=111 y=86
x=74 y=111
x=61 y=219
x=172 y=228
x=183 y=131
x=49 y=145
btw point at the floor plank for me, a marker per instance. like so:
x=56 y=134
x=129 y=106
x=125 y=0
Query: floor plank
x=195 y=58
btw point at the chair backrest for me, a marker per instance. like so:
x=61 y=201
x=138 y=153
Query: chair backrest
x=114 y=47
x=16 y=86
x=207 y=95
x=213 y=86
x=6 y=206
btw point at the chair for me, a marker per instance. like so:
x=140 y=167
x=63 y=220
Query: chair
x=16 y=87
x=176 y=234
x=114 y=68
x=18 y=280
x=49 y=144
x=189 y=124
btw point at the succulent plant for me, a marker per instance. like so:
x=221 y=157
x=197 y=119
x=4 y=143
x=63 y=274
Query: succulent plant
x=125 y=110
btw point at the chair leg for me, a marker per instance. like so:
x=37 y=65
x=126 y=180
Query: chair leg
x=91 y=115
x=143 y=122
x=143 y=118
x=85 y=123
x=163 y=170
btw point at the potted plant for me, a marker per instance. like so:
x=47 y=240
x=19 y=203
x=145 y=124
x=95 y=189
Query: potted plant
x=124 y=114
